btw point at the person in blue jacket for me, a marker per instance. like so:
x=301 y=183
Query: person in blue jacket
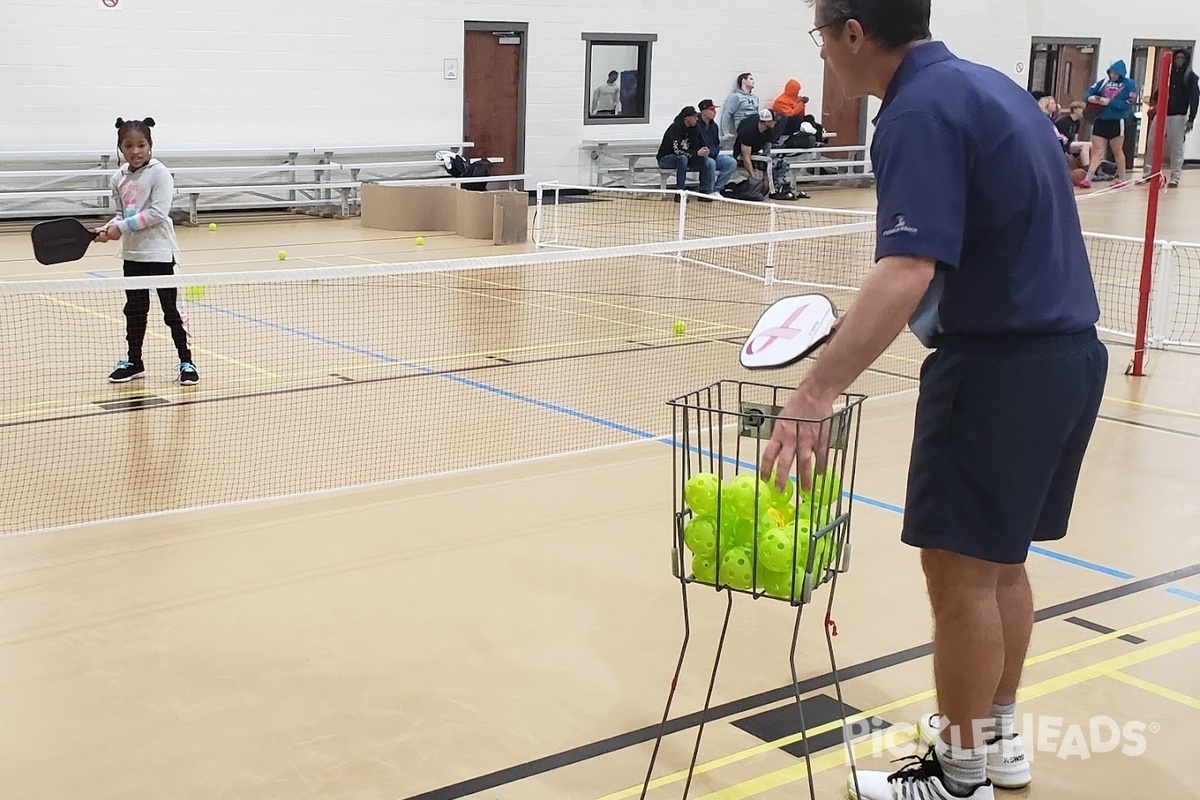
x=1111 y=100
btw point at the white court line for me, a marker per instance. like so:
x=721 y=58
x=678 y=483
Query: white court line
x=336 y=490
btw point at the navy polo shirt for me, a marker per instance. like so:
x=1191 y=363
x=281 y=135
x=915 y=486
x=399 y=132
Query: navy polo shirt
x=968 y=172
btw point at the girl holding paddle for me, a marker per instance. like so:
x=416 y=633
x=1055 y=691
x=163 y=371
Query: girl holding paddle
x=143 y=189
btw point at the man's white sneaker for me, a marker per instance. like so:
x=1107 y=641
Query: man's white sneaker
x=1007 y=766
x=920 y=780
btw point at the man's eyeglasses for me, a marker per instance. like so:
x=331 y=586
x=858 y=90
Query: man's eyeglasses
x=816 y=34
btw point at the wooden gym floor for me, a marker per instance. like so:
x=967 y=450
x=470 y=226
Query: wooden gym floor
x=509 y=630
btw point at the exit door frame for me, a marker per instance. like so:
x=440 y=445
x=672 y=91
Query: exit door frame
x=515 y=29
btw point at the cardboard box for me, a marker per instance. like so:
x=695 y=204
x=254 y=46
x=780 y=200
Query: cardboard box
x=510 y=219
x=502 y=216
x=408 y=208
x=475 y=214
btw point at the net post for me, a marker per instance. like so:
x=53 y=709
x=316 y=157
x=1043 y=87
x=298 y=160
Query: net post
x=557 y=211
x=537 y=216
x=683 y=198
x=1163 y=288
x=771 y=227
x=1137 y=367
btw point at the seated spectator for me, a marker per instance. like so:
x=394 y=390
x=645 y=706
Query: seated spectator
x=1069 y=125
x=741 y=105
x=708 y=146
x=790 y=103
x=1049 y=107
x=754 y=137
x=675 y=152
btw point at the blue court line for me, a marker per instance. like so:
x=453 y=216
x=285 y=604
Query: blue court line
x=312 y=337
x=275 y=326
x=1184 y=593
x=613 y=425
x=1079 y=562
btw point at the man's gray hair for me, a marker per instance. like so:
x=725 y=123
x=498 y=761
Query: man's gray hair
x=891 y=23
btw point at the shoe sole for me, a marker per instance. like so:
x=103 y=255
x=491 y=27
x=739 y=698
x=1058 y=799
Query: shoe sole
x=127 y=380
x=999 y=785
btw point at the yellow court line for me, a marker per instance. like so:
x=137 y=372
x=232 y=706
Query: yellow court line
x=1154 y=688
x=159 y=335
x=893 y=705
x=799 y=771
x=610 y=304
x=734 y=328
x=438 y=359
x=1150 y=407
x=693 y=335
x=412 y=279
x=516 y=301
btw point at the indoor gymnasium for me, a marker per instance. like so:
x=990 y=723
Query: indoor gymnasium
x=394 y=398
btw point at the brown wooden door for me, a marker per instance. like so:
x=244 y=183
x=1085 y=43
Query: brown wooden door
x=492 y=96
x=841 y=114
x=1076 y=72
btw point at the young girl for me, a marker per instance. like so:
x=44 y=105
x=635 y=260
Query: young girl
x=143 y=189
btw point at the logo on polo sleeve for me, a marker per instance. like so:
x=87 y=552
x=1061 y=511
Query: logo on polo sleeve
x=901 y=226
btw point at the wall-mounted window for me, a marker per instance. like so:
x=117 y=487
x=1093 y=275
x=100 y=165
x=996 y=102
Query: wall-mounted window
x=616 y=82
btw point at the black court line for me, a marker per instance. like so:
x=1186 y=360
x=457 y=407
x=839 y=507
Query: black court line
x=571 y=293
x=822 y=709
x=132 y=403
x=613 y=744
x=384 y=379
x=497 y=363
x=1148 y=426
x=1098 y=628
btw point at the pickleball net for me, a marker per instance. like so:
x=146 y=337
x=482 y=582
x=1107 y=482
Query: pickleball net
x=580 y=217
x=317 y=379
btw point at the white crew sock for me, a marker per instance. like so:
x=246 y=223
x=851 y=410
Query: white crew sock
x=962 y=770
x=1004 y=720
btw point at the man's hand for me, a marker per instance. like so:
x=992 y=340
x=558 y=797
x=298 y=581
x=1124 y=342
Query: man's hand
x=1189 y=126
x=798 y=442
x=703 y=153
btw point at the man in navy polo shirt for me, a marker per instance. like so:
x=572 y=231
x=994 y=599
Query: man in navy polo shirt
x=979 y=250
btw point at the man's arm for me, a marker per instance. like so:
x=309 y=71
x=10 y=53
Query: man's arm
x=888 y=297
x=920 y=226
x=1194 y=106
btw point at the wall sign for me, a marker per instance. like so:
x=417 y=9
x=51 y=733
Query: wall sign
x=112 y=5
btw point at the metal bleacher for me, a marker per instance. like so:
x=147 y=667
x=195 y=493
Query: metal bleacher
x=325 y=181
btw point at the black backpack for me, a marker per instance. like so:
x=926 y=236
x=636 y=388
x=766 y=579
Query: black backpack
x=459 y=167
x=753 y=190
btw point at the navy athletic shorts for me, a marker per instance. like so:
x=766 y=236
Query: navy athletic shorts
x=1002 y=425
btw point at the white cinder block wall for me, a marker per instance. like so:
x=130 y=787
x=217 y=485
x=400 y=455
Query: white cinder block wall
x=320 y=73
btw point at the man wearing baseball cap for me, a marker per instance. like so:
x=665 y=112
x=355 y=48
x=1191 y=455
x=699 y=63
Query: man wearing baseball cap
x=708 y=131
x=754 y=137
x=679 y=151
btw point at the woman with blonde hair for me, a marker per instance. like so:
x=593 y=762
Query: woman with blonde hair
x=1071 y=148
